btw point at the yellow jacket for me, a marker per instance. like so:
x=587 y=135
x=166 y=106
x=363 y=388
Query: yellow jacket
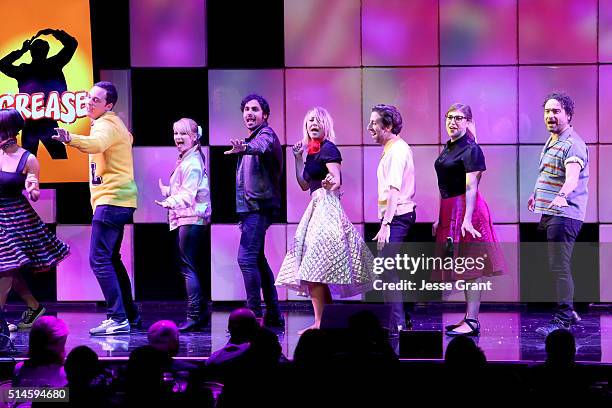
x=111 y=166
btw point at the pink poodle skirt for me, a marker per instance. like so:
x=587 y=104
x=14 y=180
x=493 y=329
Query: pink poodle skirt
x=485 y=250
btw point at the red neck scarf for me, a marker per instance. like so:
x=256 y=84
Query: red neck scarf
x=314 y=146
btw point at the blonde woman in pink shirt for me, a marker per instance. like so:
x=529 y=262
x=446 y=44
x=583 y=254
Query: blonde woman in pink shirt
x=188 y=203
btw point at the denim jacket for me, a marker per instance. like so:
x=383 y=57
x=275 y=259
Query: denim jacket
x=259 y=172
x=189 y=192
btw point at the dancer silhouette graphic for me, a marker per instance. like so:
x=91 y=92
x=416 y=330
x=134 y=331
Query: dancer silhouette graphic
x=41 y=75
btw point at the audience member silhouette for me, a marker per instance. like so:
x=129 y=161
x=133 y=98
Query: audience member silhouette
x=313 y=350
x=368 y=339
x=89 y=385
x=560 y=349
x=265 y=351
x=45 y=366
x=560 y=380
x=242 y=326
x=366 y=351
x=145 y=384
x=164 y=336
x=462 y=353
x=258 y=380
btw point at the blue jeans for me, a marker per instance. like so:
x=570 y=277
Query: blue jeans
x=105 y=260
x=258 y=276
x=561 y=233
x=189 y=239
x=399 y=228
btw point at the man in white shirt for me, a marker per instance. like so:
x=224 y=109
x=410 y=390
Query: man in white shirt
x=396 y=188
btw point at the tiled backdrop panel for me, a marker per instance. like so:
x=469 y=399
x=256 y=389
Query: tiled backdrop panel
x=422 y=55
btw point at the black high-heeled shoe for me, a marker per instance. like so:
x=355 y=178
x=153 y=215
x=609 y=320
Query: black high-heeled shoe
x=454 y=326
x=474 y=326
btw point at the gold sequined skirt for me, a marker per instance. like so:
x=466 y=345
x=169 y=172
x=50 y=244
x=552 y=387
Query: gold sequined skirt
x=328 y=249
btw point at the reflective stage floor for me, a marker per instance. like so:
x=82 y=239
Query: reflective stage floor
x=508 y=331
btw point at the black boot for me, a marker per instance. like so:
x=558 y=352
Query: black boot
x=274 y=320
x=191 y=324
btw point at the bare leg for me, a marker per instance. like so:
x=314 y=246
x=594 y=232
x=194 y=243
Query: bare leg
x=328 y=296
x=320 y=296
x=6 y=282
x=472 y=298
x=21 y=287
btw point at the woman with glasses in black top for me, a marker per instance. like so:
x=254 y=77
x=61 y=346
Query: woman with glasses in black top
x=464 y=223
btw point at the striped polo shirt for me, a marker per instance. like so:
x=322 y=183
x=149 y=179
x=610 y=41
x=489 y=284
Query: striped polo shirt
x=568 y=148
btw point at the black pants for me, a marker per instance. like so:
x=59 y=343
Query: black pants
x=258 y=276
x=189 y=239
x=561 y=233
x=399 y=228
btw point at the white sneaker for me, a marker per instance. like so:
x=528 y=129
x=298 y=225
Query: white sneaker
x=12 y=327
x=110 y=327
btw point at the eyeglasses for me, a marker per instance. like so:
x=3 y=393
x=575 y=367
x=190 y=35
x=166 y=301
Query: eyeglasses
x=95 y=99
x=457 y=118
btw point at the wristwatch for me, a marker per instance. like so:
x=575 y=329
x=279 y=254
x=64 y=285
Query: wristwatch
x=560 y=194
x=385 y=222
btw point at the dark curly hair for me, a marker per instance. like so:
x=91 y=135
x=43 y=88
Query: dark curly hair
x=390 y=117
x=566 y=102
x=265 y=108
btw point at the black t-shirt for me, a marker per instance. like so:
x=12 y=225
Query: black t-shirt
x=458 y=158
x=315 y=169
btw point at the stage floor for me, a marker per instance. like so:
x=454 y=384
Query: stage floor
x=508 y=331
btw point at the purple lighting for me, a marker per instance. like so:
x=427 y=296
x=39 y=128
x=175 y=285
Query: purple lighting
x=399 y=32
x=164 y=34
x=474 y=32
x=578 y=43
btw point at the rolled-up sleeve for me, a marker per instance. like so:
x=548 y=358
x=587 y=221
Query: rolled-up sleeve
x=577 y=153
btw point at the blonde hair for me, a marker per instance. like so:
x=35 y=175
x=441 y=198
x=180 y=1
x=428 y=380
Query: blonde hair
x=324 y=120
x=48 y=340
x=189 y=126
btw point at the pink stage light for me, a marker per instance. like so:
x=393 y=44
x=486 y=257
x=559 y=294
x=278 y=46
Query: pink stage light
x=478 y=32
x=226 y=88
x=397 y=32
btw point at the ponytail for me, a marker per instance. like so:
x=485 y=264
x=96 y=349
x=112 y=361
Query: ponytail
x=467 y=112
x=471 y=131
x=199 y=143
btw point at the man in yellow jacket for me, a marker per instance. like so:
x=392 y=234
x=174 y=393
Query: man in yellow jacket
x=113 y=199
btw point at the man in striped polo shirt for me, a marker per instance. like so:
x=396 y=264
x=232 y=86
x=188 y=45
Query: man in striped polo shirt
x=561 y=195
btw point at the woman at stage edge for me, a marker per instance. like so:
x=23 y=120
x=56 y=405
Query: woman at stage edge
x=328 y=255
